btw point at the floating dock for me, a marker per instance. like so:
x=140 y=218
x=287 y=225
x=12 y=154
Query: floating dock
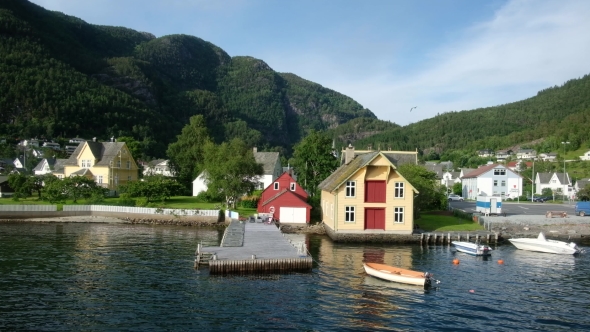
x=254 y=247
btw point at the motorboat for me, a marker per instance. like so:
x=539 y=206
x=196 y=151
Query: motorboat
x=541 y=244
x=396 y=274
x=471 y=248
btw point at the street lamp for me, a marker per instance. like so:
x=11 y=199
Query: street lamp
x=565 y=192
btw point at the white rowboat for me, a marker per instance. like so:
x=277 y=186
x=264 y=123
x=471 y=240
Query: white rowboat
x=397 y=274
x=475 y=249
x=541 y=244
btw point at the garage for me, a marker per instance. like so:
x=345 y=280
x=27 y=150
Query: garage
x=293 y=215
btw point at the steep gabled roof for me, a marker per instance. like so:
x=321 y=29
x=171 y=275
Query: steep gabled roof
x=104 y=152
x=544 y=177
x=283 y=193
x=397 y=158
x=268 y=161
x=484 y=169
x=82 y=172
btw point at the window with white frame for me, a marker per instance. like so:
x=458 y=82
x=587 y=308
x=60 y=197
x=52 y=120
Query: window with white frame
x=350 y=188
x=399 y=190
x=349 y=215
x=398 y=215
x=129 y=178
x=503 y=183
x=116 y=179
x=276 y=186
x=292 y=188
x=495 y=183
x=128 y=164
x=119 y=163
x=99 y=179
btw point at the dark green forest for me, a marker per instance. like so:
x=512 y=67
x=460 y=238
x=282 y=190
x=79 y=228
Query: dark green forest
x=61 y=77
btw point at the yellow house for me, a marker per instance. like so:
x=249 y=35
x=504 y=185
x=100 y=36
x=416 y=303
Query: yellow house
x=109 y=164
x=367 y=196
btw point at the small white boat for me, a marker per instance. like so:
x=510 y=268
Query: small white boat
x=396 y=274
x=543 y=245
x=475 y=249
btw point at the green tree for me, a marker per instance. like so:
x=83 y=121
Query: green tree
x=54 y=190
x=583 y=194
x=458 y=188
x=231 y=169
x=79 y=187
x=186 y=154
x=432 y=196
x=134 y=147
x=21 y=184
x=314 y=161
x=153 y=188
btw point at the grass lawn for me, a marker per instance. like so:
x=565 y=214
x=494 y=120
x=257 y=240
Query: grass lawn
x=443 y=221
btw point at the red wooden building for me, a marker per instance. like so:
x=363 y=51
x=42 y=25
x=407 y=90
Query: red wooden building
x=286 y=200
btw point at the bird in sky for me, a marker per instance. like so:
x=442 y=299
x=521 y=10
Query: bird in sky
x=413 y=108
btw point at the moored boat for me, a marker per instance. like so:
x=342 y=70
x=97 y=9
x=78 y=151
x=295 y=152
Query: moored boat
x=541 y=244
x=397 y=274
x=471 y=248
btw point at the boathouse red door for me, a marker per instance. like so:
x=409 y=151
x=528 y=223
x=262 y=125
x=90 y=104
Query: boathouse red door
x=375 y=219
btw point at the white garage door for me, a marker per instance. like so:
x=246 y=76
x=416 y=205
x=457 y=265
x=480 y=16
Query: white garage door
x=293 y=215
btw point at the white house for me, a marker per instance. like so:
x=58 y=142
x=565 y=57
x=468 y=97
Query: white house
x=502 y=155
x=49 y=165
x=271 y=166
x=485 y=153
x=450 y=178
x=491 y=180
x=557 y=182
x=581 y=184
x=551 y=156
x=157 y=167
x=585 y=156
x=526 y=154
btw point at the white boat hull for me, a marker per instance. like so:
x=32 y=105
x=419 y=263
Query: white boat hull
x=472 y=248
x=541 y=244
x=384 y=274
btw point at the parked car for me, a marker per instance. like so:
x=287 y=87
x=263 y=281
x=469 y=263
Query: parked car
x=539 y=199
x=455 y=197
x=582 y=208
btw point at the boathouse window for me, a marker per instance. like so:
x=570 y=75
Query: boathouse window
x=276 y=186
x=499 y=171
x=292 y=188
x=349 y=214
x=399 y=190
x=350 y=188
x=398 y=215
x=495 y=183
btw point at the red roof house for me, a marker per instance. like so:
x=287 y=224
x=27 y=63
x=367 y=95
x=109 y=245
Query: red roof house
x=285 y=200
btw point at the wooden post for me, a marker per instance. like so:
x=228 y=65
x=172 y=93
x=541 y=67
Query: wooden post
x=421 y=238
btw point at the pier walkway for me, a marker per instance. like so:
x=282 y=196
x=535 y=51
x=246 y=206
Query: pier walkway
x=257 y=247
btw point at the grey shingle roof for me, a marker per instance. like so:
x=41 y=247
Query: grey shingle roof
x=268 y=161
x=544 y=177
x=104 y=152
x=345 y=171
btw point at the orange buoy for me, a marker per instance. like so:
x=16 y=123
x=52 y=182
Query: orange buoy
x=455 y=261
x=500 y=261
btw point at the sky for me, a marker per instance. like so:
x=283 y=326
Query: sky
x=389 y=55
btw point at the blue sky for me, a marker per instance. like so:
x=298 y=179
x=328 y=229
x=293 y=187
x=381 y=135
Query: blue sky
x=388 y=55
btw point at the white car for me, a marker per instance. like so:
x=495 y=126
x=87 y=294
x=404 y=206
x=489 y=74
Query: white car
x=455 y=197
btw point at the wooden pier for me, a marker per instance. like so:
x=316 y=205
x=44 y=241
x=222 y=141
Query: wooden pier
x=254 y=247
x=447 y=238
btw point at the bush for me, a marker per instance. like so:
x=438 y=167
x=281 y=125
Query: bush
x=206 y=197
x=249 y=202
x=126 y=200
x=221 y=216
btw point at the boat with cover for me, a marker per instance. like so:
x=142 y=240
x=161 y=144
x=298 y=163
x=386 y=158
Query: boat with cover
x=541 y=244
x=471 y=248
x=396 y=274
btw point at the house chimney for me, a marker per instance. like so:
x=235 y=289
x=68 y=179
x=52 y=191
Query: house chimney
x=94 y=139
x=254 y=149
x=349 y=154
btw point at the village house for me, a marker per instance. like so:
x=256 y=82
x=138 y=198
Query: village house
x=551 y=156
x=528 y=154
x=557 y=182
x=585 y=156
x=109 y=164
x=5 y=189
x=502 y=155
x=271 y=168
x=485 y=153
x=450 y=178
x=157 y=167
x=49 y=165
x=491 y=180
x=285 y=200
x=581 y=184
x=519 y=165
x=367 y=195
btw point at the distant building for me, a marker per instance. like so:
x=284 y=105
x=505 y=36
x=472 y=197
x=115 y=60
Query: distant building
x=157 y=167
x=491 y=180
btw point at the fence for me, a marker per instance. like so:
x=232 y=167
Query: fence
x=139 y=210
x=28 y=208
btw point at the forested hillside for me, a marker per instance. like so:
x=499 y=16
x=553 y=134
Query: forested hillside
x=554 y=115
x=61 y=77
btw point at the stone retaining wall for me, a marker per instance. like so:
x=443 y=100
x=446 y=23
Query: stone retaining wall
x=164 y=219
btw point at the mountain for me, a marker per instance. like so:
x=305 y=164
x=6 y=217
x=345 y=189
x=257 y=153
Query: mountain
x=556 y=114
x=62 y=77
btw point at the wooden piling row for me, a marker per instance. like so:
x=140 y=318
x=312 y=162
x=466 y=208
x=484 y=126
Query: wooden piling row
x=440 y=238
x=261 y=265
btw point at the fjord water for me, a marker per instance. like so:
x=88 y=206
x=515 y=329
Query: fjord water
x=97 y=277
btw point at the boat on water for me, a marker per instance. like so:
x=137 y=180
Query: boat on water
x=541 y=244
x=396 y=274
x=471 y=248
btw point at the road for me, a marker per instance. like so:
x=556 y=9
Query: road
x=515 y=208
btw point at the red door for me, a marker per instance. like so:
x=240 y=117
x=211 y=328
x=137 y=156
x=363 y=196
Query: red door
x=375 y=191
x=375 y=219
